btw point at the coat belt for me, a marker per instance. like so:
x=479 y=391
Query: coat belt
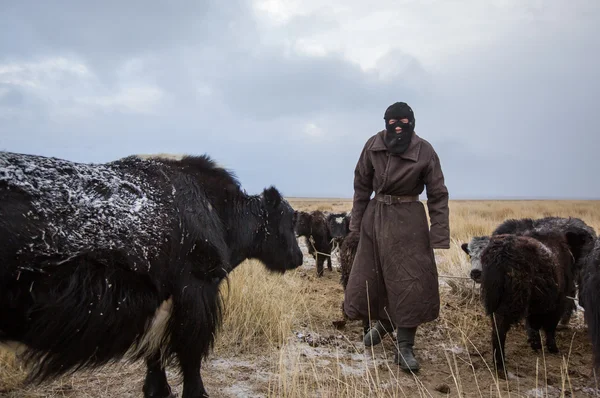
x=389 y=199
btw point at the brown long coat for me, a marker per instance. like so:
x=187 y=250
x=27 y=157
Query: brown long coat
x=394 y=261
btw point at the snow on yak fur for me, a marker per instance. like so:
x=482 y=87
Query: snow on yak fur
x=123 y=260
x=313 y=226
x=527 y=275
x=589 y=298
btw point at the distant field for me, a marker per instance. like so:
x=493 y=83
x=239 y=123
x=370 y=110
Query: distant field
x=278 y=338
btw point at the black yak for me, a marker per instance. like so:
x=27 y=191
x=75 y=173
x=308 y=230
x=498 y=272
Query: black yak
x=123 y=260
x=526 y=275
x=524 y=225
x=338 y=225
x=313 y=227
x=589 y=298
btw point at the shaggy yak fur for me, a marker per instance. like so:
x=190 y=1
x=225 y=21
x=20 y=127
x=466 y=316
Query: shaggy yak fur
x=313 y=226
x=124 y=260
x=526 y=275
x=589 y=298
x=559 y=224
x=347 y=254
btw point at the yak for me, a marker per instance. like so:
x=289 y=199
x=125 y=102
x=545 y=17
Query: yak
x=526 y=275
x=588 y=298
x=523 y=225
x=338 y=225
x=313 y=227
x=124 y=260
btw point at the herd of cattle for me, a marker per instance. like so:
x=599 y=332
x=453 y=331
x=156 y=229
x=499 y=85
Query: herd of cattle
x=124 y=260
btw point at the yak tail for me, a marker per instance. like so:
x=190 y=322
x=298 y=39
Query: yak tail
x=591 y=303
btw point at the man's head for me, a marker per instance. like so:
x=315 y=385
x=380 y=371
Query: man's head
x=399 y=126
x=399 y=117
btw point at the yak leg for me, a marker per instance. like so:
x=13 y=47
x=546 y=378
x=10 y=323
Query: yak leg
x=320 y=261
x=190 y=357
x=500 y=327
x=193 y=387
x=156 y=384
x=533 y=325
x=195 y=318
x=549 y=326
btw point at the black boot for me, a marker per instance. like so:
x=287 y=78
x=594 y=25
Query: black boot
x=405 y=356
x=377 y=332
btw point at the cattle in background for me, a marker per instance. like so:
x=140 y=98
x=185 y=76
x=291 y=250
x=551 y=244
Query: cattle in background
x=524 y=225
x=338 y=225
x=527 y=275
x=313 y=227
x=124 y=260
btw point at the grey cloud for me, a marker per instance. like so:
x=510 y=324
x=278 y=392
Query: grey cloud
x=514 y=119
x=113 y=27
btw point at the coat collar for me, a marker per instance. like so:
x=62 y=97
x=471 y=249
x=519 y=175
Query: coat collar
x=412 y=152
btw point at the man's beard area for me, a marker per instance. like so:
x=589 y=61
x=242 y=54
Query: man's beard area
x=397 y=143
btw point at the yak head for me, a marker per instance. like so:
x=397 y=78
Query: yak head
x=303 y=226
x=474 y=249
x=338 y=225
x=278 y=247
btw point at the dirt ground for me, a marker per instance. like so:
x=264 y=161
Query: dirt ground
x=323 y=358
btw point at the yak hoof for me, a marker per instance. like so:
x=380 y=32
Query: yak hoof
x=534 y=341
x=536 y=345
x=553 y=348
x=502 y=374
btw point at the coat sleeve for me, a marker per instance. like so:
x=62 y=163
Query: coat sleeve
x=437 y=204
x=363 y=187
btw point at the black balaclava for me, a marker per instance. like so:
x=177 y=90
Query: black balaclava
x=397 y=143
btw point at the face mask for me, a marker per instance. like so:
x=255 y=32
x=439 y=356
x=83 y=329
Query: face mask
x=397 y=143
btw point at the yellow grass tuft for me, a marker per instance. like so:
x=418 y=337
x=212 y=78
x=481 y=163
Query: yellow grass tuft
x=260 y=308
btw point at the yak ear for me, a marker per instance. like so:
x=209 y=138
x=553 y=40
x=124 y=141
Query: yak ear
x=465 y=248
x=272 y=197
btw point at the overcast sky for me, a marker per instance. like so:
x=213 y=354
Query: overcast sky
x=287 y=92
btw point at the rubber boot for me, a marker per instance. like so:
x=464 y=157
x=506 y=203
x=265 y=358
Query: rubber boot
x=377 y=332
x=404 y=356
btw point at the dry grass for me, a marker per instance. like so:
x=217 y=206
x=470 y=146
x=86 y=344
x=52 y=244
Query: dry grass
x=278 y=340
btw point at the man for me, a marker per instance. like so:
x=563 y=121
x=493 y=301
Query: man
x=394 y=277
